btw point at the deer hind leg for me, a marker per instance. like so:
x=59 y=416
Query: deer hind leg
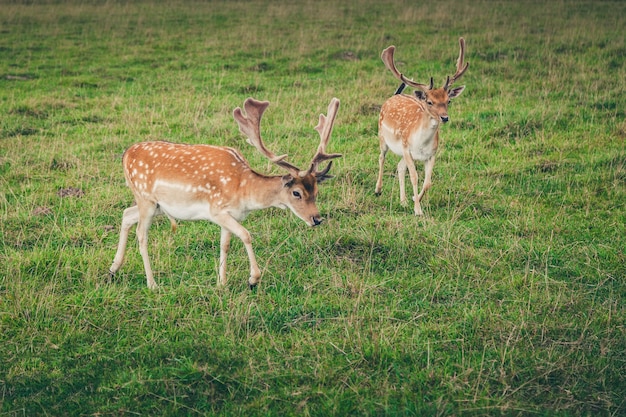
x=381 y=167
x=233 y=226
x=224 y=248
x=147 y=211
x=410 y=164
x=129 y=218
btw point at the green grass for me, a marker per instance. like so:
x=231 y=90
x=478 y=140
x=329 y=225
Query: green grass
x=507 y=298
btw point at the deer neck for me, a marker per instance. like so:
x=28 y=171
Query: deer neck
x=262 y=191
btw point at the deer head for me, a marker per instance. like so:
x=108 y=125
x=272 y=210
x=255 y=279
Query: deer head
x=299 y=186
x=437 y=99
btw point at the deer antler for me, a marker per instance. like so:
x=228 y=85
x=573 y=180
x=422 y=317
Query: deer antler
x=250 y=125
x=460 y=69
x=324 y=128
x=387 y=57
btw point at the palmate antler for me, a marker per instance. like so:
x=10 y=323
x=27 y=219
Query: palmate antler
x=387 y=57
x=324 y=128
x=460 y=69
x=250 y=125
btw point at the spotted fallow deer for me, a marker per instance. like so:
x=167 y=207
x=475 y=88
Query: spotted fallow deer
x=215 y=183
x=409 y=125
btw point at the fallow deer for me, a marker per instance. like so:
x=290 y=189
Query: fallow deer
x=409 y=125
x=215 y=183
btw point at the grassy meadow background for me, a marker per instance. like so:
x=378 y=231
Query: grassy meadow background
x=507 y=298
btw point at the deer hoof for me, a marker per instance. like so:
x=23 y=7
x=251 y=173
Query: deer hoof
x=252 y=286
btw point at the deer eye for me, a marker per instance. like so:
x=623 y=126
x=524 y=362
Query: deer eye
x=429 y=102
x=297 y=194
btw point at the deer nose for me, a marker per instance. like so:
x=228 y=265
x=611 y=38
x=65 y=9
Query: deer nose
x=444 y=119
x=316 y=220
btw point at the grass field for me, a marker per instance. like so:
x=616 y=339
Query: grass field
x=506 y=298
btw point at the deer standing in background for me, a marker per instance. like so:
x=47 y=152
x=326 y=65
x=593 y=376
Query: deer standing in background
x=409 y=125
x=215 y=183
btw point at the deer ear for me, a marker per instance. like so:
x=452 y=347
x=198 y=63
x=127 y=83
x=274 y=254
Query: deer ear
x=420 y=94
x=455 y=92
x=287 y=180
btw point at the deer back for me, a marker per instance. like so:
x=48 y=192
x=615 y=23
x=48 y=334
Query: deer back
x=180 y=175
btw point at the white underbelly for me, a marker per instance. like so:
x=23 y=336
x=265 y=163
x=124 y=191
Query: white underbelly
x=423 y=151
x=191 y=211
x=422 y=144
x=178 y=201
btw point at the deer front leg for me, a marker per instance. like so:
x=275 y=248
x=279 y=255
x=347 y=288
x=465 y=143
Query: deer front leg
x=428 y=172
x=233 y=226
x=401 y=177
x=224 y=248
x=410 y=164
